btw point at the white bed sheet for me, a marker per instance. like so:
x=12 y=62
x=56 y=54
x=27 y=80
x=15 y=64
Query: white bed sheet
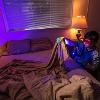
x=42 y=56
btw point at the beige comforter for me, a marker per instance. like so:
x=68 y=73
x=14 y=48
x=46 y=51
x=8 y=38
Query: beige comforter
x=28 y=80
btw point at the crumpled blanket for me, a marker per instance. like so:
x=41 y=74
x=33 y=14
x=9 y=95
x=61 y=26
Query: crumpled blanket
x=51 y=88
x=24 y=80
x=55 y=85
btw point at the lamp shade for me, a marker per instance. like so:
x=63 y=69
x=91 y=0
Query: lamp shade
x=79 y=22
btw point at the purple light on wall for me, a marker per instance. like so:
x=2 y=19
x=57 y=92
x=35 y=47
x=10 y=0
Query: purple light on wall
x=2 y=24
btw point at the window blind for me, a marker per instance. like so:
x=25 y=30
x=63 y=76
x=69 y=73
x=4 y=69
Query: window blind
x=37 y=14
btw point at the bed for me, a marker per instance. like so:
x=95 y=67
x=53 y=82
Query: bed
x=24 y=77
x=42 y=56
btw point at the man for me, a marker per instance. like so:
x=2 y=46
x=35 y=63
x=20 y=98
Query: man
x=72 y=55
x=85 y=53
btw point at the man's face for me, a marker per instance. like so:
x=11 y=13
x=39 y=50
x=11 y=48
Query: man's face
x=87 y=42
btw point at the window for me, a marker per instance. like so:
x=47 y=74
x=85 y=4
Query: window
x=37 y=14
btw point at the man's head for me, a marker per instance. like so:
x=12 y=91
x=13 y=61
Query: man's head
x=91 y=38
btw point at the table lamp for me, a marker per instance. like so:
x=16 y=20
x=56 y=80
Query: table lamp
x=79 y=23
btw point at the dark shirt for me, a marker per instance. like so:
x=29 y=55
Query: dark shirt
x=84 y=55
x=81 y=54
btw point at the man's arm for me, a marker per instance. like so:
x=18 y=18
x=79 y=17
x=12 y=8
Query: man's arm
x=66 y=41
x=69 y=42
x=94 y=64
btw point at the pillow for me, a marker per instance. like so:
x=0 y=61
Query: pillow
x=18 y=46
x=40 y=44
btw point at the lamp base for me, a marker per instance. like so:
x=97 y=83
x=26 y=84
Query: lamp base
x=78 y=35
x=79 y=31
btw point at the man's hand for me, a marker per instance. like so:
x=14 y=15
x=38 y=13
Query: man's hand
x=59 y=39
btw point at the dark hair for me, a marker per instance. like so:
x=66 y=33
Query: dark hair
x=93 y=36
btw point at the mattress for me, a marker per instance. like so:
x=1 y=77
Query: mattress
x=42 y=56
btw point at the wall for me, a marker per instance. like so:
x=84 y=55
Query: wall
x=6 y=36
x=94 y=17
x=79 y=8
x=50 y=33
x=2 y=25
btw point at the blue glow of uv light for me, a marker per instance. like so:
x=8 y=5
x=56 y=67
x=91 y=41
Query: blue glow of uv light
x=66 y=42
x=73 y=53
x=69 y=42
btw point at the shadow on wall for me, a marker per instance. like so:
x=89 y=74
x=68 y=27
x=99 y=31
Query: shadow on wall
x=52 y=34
x=2 y=25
